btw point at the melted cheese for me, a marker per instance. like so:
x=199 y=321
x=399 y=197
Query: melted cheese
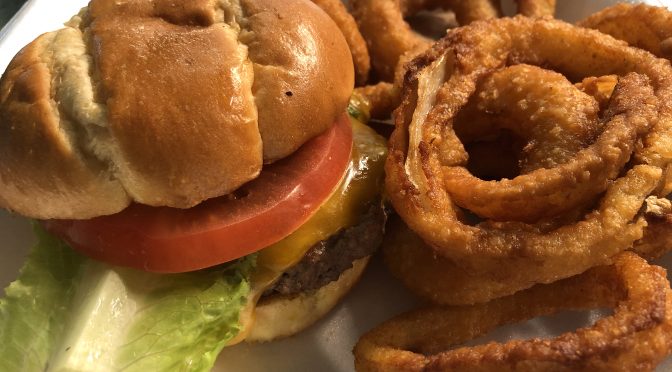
x=361 y=184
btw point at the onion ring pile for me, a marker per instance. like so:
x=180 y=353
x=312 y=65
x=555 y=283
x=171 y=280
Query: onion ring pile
x=636 y=337
x=530 y=177
x=346 y=23
x=389 y=36
x=563 y=213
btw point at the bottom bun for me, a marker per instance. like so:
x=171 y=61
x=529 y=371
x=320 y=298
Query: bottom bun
x=282 y=316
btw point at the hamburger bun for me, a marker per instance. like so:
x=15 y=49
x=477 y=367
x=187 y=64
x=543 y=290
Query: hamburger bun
x=164 y=103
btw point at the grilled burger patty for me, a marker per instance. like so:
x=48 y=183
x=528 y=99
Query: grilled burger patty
x=327 y=259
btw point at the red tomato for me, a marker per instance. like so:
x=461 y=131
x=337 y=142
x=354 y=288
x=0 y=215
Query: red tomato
x=263 y=211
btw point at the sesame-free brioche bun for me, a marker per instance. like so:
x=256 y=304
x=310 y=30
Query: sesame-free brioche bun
x=164 y=102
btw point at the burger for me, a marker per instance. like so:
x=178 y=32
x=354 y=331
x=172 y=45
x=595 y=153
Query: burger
x=194 y=178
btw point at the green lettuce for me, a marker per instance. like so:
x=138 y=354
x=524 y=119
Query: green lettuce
x=69 y=313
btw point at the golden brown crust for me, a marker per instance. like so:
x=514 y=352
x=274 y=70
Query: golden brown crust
x=300 y=86
x=94 y=115
x=657 y=239
x=346 y=23
x=389 y=36
x=383 y=98
x=635 y=337
x=536 y=8
x=174 y=92
x=643 y=26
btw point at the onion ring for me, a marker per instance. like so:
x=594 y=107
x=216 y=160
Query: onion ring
x=560 y=125
x=389 y=36
x=636 y=337
x=435 y=278
x=557 y=125
x=346 y=23
x=536 y=8
x=382 y=98
x=643 y=26
x=426 y=152
x=439 y=280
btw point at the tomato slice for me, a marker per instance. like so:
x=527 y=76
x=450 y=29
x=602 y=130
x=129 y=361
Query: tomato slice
x=169 y=240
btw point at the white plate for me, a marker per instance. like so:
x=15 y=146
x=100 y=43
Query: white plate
x=327 y=345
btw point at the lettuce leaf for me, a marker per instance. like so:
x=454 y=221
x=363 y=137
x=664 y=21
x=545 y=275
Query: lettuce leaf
x=69 y=313
x=34 y=308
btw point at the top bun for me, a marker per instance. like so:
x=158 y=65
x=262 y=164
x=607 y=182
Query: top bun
x=164 y=102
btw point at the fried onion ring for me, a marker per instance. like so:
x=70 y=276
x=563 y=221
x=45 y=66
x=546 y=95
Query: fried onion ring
x=637 y=336
x=643 y=26
x=346 y=23
x=435 y=278
x=389 y=36
x=626 y=160
x=536 y=8
x=382 y=98
x=439 y=280
x=558 y=121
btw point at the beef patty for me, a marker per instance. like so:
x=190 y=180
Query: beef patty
x=327 y=259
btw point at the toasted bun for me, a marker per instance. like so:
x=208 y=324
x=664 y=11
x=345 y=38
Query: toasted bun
x=281 y=316
x=164 y=102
